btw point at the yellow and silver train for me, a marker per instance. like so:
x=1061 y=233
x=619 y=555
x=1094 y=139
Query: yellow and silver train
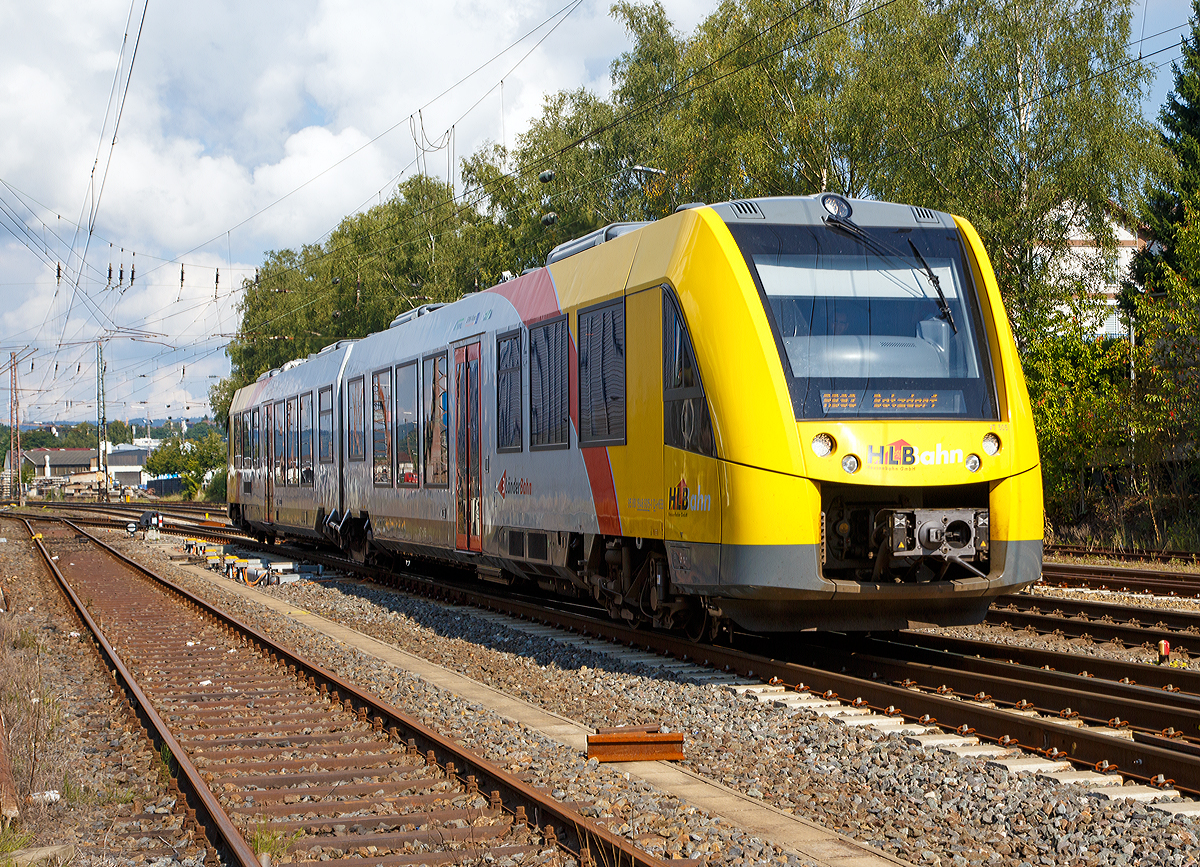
x=782 y=413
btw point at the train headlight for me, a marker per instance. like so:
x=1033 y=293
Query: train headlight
x=836 y=206
x=991 y=443
x=974 y=463
x=850 y=464
x=823 y=445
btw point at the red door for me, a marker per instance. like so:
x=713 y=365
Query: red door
x=468 y=462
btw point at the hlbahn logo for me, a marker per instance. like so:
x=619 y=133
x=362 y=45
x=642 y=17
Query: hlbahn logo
x=680 y=499
x=902 y=454
x=517 y=487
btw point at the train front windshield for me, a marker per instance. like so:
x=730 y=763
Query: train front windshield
x=860 y=325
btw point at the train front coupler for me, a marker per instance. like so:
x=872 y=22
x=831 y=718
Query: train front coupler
x=941 y=536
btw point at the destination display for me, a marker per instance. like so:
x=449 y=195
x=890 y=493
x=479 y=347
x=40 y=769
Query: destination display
x=885 y=401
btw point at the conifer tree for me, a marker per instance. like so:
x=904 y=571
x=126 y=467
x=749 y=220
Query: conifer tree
x=1165 y=205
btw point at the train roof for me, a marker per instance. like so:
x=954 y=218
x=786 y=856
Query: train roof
x=787 y=210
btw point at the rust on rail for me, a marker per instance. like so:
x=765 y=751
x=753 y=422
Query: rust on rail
x=635 y=744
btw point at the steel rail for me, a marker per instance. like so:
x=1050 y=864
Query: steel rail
x=1171 y=619
x=208 y=809
x=1127 y=673
x=1121 y=578
x=601 y=845
x=1066 y=695
x=1119 y=554
x=1097 y=630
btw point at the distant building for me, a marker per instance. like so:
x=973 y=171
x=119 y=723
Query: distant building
x=126 y=465
x=1101 y=271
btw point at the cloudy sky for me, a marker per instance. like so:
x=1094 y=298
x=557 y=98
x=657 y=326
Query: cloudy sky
x=245 y=127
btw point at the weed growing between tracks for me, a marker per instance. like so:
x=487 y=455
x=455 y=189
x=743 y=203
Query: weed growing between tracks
x=265 y=841
x=31 y=713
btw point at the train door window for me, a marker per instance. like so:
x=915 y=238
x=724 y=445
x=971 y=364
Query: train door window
x=235 y=439
x=381 y=427
x=549 y=424
x=255 y=439
x=246 y=440
x=278 y=452
x=325 y=425
x=436 y=400
x=407 y=447
x=293 y=430
x=602 y=375
x=686 y=422
x=508 y=392
x=356 y=431
x=306 y=439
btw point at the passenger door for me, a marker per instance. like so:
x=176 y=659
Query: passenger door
x=468 y=460
x=269 y=464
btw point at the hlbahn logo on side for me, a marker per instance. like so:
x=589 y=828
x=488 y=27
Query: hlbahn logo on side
x=902 y=454
x=517 y=487
x=680 y=499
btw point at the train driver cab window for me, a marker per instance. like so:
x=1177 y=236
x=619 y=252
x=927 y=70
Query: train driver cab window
x=436 y=401
x=549 y=423
x=356 y=430
x=407 y=447
x=602 y=375
x=293 y=463
x=874 y=322
x=325 y=425
x=686 y=422
x=381 y=428
x=255 y=439
x=279 y=438
x=306 y=439
x=508 y=392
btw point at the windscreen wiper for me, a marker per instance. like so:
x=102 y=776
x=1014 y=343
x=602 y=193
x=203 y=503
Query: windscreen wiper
x=937 y=284
x=851 y=228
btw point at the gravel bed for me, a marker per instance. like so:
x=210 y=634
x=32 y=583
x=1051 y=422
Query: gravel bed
x=69 y=734
x=920 y=804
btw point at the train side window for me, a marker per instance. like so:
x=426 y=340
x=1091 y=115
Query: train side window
x=293 y=431
x=356 y=431
x=602 y=375
x=278 y=454
x=381 y=428
x=407 y=447
x=325 y=425
x=508 y=392
x=436 y=402
x=255 y=439
x=549 y=423
x=306 y=439
x=686 y=421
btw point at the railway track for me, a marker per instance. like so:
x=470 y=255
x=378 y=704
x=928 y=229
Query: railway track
x=1121 y=579
x=1061 y=718
x=270 y=746
x=1167 y=556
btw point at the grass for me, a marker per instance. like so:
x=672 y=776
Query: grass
x=12 y=840
x=265 y=841
x=166 y=765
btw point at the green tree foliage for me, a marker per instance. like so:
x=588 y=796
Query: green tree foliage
x=191 y=459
